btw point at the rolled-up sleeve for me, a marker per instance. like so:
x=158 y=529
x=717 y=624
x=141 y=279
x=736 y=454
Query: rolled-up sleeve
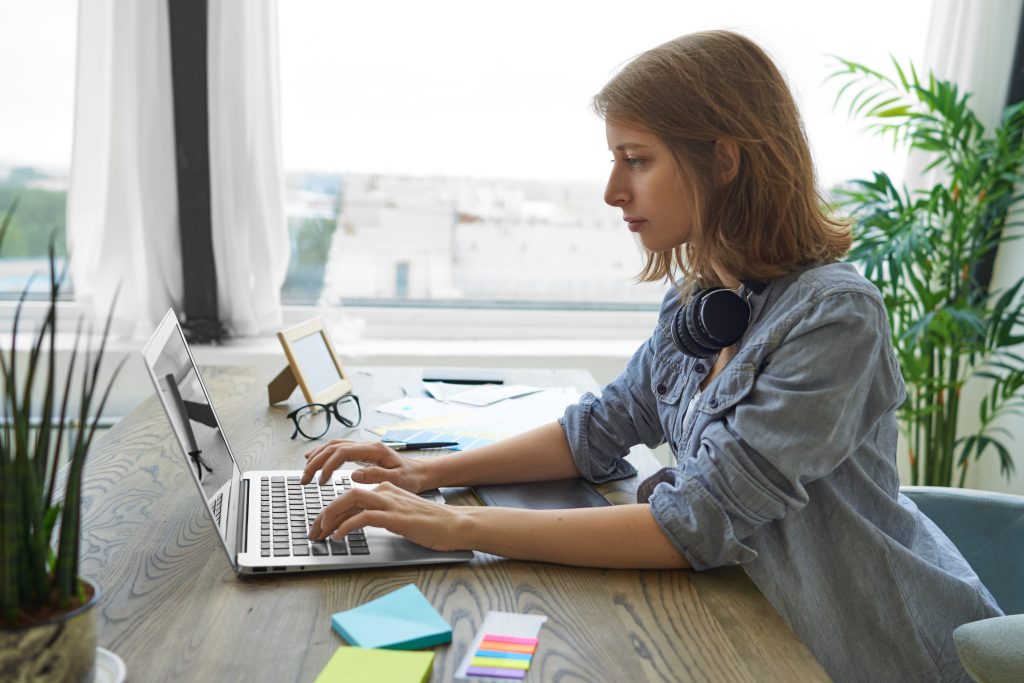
x=601 y=429
x=814 y=399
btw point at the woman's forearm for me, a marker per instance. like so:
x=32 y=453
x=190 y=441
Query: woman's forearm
x=618 y=537
x=540 y=454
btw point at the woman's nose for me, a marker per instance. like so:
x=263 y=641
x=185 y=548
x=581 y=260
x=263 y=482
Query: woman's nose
x=615 y=193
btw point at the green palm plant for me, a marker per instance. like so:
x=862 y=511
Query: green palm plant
x=37 y=578
x=925 y=250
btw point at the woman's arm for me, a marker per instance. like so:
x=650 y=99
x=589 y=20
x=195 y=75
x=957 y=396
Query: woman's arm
x=540 y=454
x=617 y=537
x=620 y=536
x=537 y=455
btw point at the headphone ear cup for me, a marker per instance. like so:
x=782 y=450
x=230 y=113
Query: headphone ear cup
x=722 y=318
x=695 y=326
x=683 y=323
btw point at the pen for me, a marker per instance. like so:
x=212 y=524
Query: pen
x=418 y=445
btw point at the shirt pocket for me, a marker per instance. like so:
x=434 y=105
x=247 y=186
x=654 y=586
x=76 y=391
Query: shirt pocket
x=666 y=381
x=728 y=389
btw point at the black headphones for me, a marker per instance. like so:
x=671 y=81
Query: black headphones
x=713 y=319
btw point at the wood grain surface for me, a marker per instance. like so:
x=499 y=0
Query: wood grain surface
x=174 y=610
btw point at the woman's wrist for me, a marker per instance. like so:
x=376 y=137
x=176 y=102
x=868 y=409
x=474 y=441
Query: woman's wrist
x=468 y=521
x=432 y=472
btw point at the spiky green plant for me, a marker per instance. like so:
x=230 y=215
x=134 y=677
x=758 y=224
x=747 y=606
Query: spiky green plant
x=36 y=574
x=922 y=249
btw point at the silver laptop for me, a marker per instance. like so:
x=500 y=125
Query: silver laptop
x=262 y=517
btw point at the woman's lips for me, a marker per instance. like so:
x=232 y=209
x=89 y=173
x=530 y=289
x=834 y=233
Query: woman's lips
x=635 y=224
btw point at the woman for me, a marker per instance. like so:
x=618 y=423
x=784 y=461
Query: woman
x=771 y=374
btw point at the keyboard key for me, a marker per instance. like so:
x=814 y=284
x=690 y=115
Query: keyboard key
x=319 y=548
x=281 y=552
x=337 y=547
x=360 y=550
x=265 y=553
x=300 y=550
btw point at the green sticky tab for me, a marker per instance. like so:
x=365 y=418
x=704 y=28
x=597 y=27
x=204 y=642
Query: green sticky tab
x=363 y=665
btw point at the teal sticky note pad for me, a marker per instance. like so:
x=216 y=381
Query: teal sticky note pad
x=400 y=620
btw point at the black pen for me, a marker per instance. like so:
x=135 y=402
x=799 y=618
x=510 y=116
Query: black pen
x=418 y=445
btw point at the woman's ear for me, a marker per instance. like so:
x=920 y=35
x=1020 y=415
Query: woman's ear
x=727 y=160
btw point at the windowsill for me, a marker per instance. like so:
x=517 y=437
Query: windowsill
x=403 y=330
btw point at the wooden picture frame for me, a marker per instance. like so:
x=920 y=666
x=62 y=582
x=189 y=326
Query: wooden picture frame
x=313 y=365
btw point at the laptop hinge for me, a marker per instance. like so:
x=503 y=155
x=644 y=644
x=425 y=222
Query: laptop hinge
x=243 y=516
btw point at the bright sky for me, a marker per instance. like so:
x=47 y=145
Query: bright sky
x=475 y=88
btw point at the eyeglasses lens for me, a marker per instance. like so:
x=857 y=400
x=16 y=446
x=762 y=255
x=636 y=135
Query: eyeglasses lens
x=313 y=421
x=348 y=411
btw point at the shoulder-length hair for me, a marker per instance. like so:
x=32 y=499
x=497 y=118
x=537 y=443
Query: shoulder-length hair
x=770 y=219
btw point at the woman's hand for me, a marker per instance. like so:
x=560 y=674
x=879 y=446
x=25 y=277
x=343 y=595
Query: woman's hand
x=387 y=506
x=386 y=465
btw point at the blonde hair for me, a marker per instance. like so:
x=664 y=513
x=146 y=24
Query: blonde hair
x=770 y=219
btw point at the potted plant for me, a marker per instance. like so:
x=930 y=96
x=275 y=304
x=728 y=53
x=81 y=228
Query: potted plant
x=47 y=622
x=929 y=251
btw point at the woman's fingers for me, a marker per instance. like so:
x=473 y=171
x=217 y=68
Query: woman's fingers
x=341 y=508
x=334 y=454
x=373 y=475
x=363 y=518
x=319 y=447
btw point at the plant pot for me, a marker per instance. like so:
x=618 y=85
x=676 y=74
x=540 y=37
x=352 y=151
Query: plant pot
x=61 y=649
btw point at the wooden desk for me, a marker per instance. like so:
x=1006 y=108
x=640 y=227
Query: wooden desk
x=173 y=609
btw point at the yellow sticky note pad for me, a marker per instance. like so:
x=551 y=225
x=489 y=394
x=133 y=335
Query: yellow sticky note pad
x=500 y=663
x=368 y=665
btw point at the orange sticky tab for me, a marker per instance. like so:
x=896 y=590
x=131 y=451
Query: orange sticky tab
x=507 y=647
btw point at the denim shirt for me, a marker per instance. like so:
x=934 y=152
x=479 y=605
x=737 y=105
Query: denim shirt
x=788 y=468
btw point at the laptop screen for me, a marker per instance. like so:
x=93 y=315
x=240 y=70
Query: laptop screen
x=195 y=425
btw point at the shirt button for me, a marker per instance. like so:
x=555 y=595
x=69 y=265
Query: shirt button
x=699 y=367
x=661 y=389
x=713 y=402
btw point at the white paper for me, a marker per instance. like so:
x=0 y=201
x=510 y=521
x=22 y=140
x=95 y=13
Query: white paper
x=502 y=624
x=474 y=427
x=420 y=408
x=441 y=390
x=486 y=394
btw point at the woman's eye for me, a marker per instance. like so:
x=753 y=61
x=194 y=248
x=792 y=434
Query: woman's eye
x=634 y=162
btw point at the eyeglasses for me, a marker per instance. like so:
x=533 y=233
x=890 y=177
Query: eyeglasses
x=314 y=419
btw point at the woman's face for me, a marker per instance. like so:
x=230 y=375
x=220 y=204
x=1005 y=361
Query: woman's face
x=647 y=185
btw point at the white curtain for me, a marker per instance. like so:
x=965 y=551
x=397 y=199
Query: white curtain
x=250 y=232
x=122 y=211
x=971 y=43
x=122 y=203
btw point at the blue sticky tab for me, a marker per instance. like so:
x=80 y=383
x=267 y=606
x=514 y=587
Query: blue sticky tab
x=400 y=620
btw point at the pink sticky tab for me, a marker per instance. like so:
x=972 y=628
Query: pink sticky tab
x=510 y=639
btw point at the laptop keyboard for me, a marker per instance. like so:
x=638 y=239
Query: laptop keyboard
x=287 y=508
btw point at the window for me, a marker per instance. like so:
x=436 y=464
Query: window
x=456 y=138
x=37 y=70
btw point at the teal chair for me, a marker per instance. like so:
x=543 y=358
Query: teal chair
x=988 y=528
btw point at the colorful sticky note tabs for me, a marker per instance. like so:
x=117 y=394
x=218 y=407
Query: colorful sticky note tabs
x=364 y=665
x=503 y=646
x=400 y=620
